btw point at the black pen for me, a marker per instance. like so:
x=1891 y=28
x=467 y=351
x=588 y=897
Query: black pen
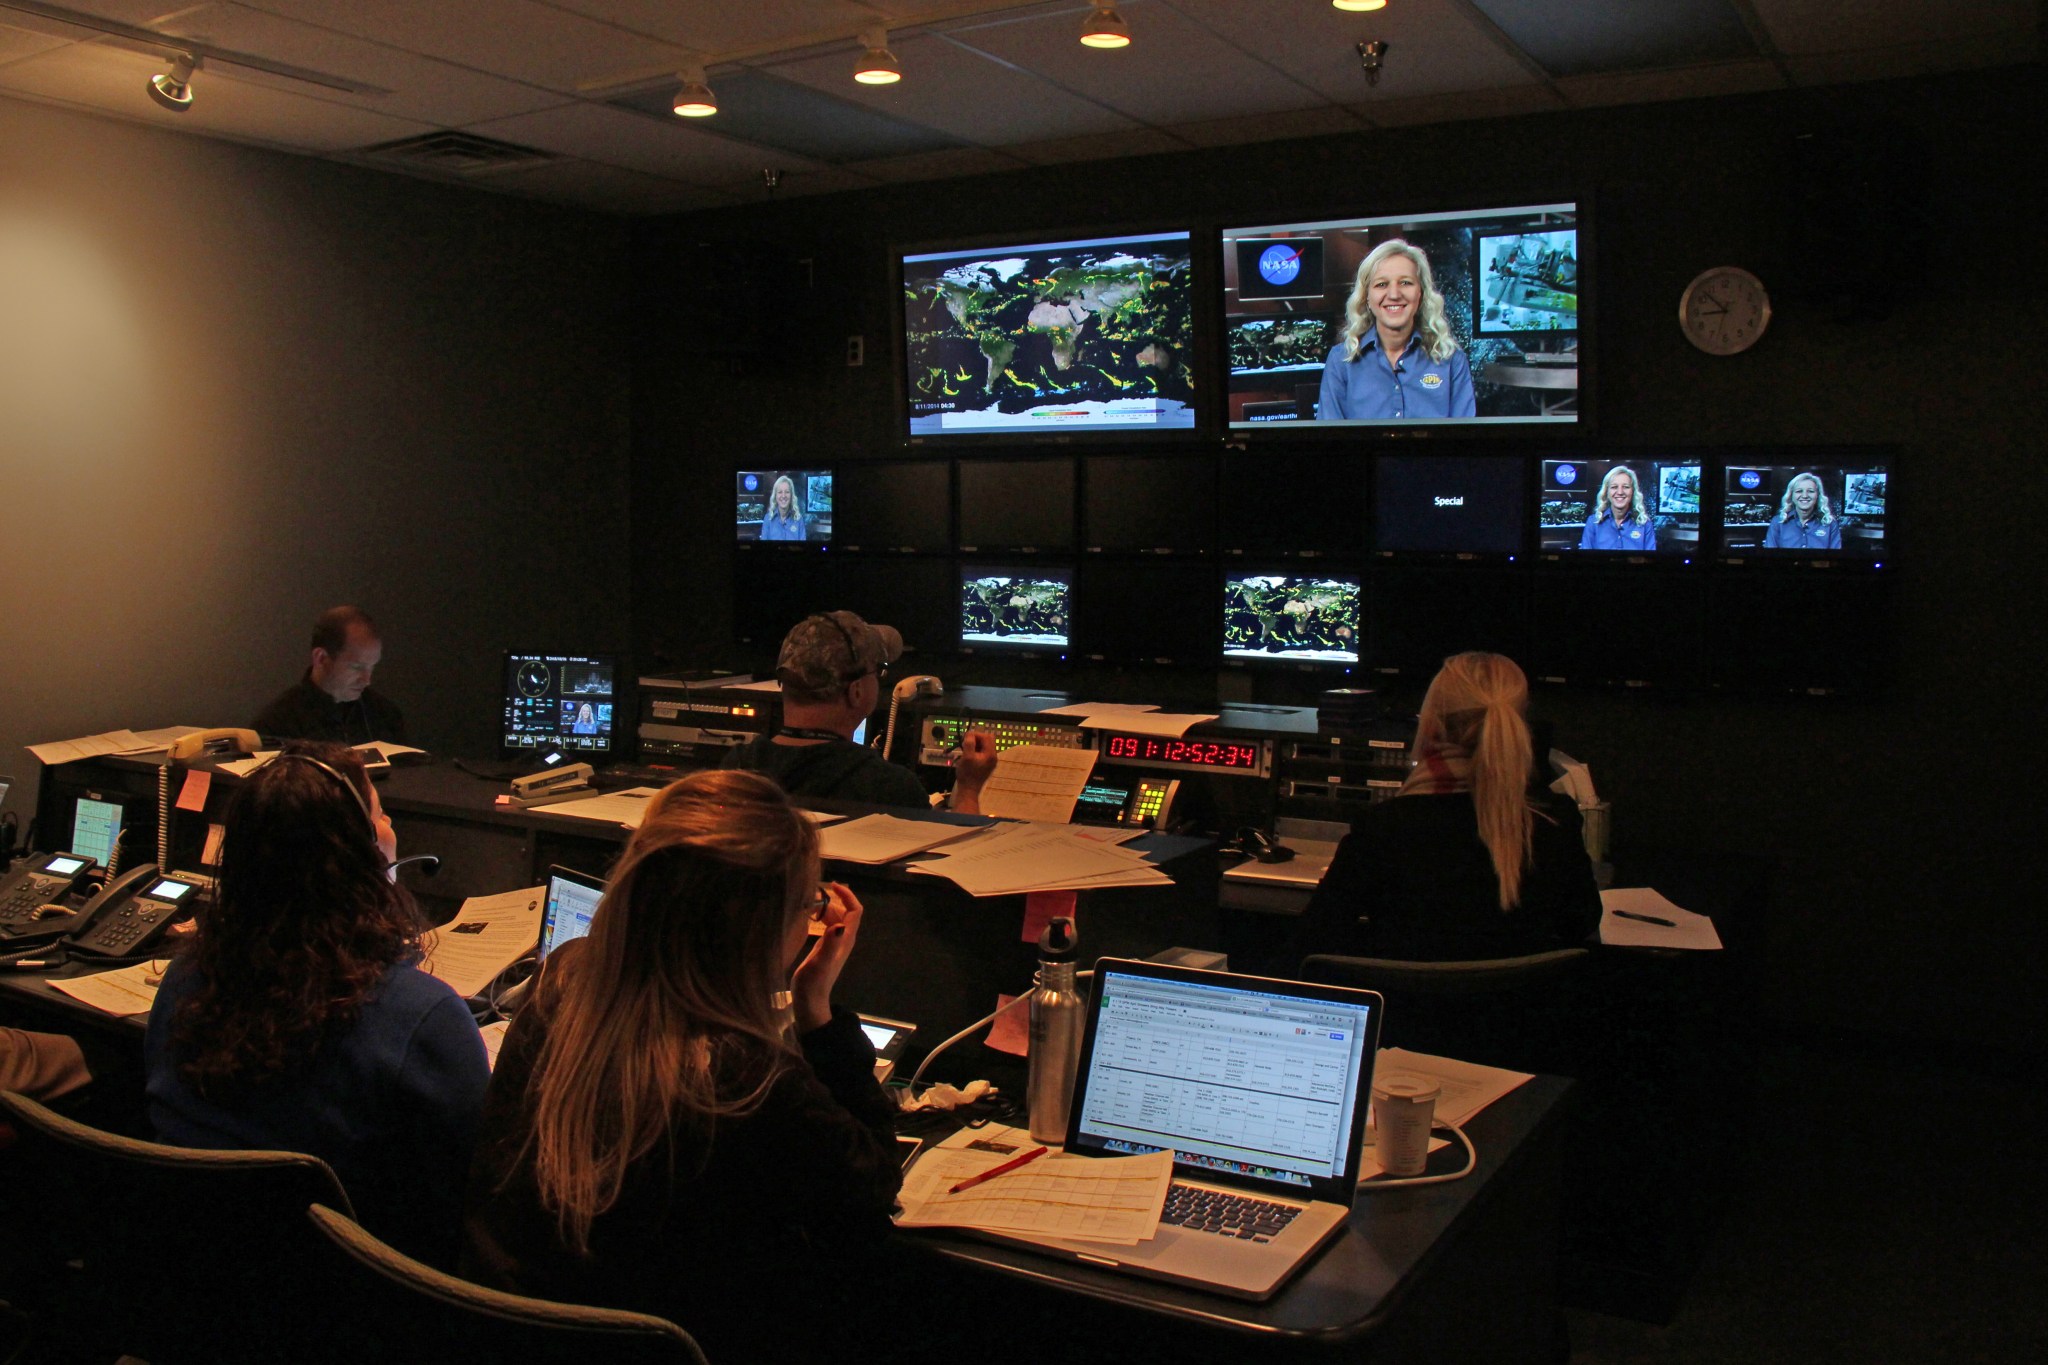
x=1647 y=919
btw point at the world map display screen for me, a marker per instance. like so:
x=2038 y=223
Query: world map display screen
x=1050 y=338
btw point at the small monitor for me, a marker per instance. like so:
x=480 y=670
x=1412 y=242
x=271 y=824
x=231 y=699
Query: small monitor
x=560 y=701
x=572 y=903
x=1015 y=609
x=1798 y=512
x=96 y=829
x=169 y=889
x=1620 y=508
x=783 y=506
x=1290 y=618
x=62 y=866
x=1456 y=505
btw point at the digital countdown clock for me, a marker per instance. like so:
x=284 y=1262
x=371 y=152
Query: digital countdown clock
x=1249 y=757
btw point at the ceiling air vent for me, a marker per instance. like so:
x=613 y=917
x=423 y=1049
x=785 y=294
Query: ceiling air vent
x=456 y=154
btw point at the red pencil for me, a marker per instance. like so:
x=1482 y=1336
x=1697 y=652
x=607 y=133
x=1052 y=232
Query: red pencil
x=992 y=1172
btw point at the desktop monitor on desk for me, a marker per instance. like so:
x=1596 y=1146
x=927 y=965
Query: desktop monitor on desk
x=567 y=702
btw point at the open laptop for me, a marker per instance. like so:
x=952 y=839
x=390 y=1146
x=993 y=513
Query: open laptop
x=1259 y=1088
x=572 y=900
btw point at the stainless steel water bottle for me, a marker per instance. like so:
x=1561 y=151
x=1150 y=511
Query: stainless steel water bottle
x=1056 y=1018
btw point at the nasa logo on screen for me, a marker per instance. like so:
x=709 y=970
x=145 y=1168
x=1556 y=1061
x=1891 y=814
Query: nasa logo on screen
x=1567 y=475
x=751 y=482
x=1279 y=264
x=1749 y=478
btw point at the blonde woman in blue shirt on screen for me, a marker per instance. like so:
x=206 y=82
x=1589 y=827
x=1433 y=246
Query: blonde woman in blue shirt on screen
x=1397 y=357
x=1620 y=521
x=1805 y=521
x=785 y=519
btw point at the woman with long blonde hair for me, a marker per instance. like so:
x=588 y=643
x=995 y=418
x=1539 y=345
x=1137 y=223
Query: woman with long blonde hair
x=655 y=1136
x=1397 y=356
x=1471 y=860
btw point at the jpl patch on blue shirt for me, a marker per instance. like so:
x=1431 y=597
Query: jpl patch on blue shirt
x=1366 y=390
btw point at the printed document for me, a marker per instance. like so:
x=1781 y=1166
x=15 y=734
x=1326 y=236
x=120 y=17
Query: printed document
x=626 y=807
x=487 y=935
x=1037 y=782
x=125 y=990
x=1114 y=1199
x=1030 y=857
x=1685 y=930
x=91 y=746
x=1171 y=724
x=877 y=839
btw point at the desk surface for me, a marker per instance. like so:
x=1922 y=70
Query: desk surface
x=1354 y=1285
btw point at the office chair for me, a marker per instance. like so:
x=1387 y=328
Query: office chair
x=405 y=1310
x=182 y=1254
x=1516 y=1012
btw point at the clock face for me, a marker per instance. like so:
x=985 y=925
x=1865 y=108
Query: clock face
x=1724 y=311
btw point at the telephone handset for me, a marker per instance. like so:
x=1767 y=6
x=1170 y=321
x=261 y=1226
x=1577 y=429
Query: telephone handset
x=226 y=742
x=918 y=685
x=40 y=880
x=131 y=912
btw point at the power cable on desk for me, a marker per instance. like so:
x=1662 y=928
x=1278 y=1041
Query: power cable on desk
x=911 y=1085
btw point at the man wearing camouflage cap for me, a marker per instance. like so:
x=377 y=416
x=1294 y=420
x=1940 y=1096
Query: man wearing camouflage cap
x=833 y=669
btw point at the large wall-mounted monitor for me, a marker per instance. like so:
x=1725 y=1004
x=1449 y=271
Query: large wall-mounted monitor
x=1620 y=510
x=1290 y=618
x=561 y=701
x=1803 y=513
x=1487 y=304
x=783 y=506
x=1447 y=506
x=1015 y=609
x=1050 y=338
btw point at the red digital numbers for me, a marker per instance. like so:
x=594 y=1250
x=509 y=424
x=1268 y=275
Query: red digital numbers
x=1193 y=752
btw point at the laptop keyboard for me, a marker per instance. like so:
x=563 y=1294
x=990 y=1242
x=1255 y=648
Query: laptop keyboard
x=1226 y=1215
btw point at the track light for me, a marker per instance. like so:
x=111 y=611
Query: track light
x=173 y=89
x=1105 y=27
x=695 y=99
x=878 y=65
x=1359 y=6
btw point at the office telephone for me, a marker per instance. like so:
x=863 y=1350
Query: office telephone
x=132 y=912
x=1146 y=803
x=41 y=879
x=227 y=742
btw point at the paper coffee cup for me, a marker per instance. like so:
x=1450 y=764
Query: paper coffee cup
x=1402 y=1106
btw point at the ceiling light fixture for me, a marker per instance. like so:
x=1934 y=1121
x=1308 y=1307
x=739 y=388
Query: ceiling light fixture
x=173 y=89
x=1106 y=28
x=695 y=99
x=878 y=65
x=1372 y=56
x=1359 y=6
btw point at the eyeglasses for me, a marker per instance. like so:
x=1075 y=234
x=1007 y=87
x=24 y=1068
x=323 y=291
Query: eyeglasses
x=820 y=903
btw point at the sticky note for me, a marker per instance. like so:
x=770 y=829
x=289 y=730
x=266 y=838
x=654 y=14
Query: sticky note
x=1011 y=1031
x=1042 y=907
x=192 y=796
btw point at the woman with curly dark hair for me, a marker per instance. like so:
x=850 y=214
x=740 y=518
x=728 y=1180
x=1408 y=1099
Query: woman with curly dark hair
x=298 y=1018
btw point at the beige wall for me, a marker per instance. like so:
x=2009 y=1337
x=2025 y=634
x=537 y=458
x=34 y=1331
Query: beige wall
x=238 y=386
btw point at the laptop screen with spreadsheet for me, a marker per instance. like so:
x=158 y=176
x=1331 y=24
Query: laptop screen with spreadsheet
x=1244 y=1079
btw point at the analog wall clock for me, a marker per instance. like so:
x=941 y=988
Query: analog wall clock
x=1724 y=311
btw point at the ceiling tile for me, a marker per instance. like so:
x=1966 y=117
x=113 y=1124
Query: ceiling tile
x=1507 y=102
x=1316 y=122
x=946 y=165
x=610 y=189
x=16 y=43
x=1801 y=27
x=796 y=184
x=959 y=90
x=1682 y=83
x=1579 y=37
x=111 y=80
x=1431 y=48
x=1143 y=142
x=716 y=28
x=1960 y=54
x=420 y=87
x=762 y=108
x=1174 y=71
x=614 y=137
x=522 y=40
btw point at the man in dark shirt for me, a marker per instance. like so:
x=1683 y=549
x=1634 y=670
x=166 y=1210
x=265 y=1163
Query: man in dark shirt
x=832 y=668
x=335 y=701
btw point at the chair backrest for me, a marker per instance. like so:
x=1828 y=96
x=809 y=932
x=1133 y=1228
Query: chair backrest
x=414 y=1311
x=1516 y=1012
x=187 y=1253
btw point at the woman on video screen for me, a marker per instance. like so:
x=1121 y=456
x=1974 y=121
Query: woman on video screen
x=1805 y=521
x=785 y=519
x=1620 y=521
x=1397 y=357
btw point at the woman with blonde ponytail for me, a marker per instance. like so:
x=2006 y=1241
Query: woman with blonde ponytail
x=656 y=1135
x=1471 y=860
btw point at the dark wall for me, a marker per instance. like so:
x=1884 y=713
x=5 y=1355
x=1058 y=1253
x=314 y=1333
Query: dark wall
x=238 y=386
x=1904 y=889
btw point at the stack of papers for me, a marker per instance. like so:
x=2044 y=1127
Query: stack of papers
x=1037 y=782
x=125 y=990
x=876 y=839
x=1010 y=858
x=1170 y=724
x=487 y=935
x=109 y=742
x=1637 y=917
x=1098 y=708
x=626 y=807
x=1091 y=1199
